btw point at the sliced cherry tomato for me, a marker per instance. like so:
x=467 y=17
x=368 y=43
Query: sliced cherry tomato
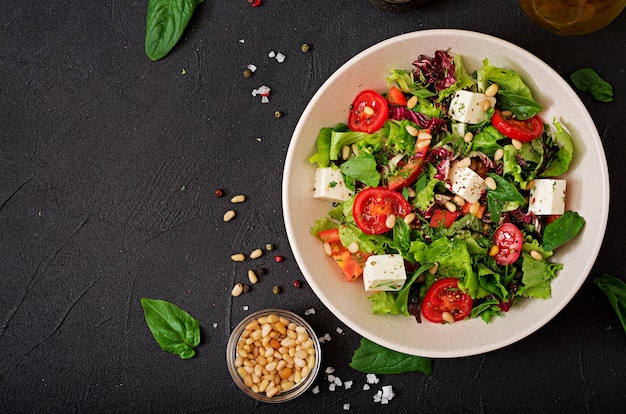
x=411 y=170
x=443 y=217
x=445 y=296
x=509 y=240
x=368 y=112
x=396 y=97
x=373 y=205
x=523 y=130
x=351 y=264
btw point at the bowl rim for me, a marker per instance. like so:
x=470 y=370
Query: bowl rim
x=586 y=122
x=298 y=389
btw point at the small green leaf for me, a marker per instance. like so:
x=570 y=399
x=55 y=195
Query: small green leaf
x=174 y=329
x=562 y=230
x=165 y=23
x=587 y=80
x=615 y=291
x=371 y=358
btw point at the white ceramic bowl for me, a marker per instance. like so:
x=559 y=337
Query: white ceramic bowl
x=587 y=187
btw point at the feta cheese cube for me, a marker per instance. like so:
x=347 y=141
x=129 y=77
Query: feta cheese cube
x=384 y=272
x=330 y=186
x=467 y=106
x=547 y=197
x=466 y=183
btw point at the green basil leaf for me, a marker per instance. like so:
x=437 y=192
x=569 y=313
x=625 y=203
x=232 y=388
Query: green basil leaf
x=174 y=329
x=371 y=358
x=362 y=168
x=587 y=80
x=505 y=195
x=562 y=230
x=165 y=23
x=615 y=291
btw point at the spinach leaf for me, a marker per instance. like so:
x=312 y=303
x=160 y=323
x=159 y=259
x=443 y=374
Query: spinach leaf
x=505 y=196
x=562 y=230
x=587 y=80
x=165 y=23
x=174 y=329
x=362 y=168
x=371 y=358
x=615 y=291
x=522 y=108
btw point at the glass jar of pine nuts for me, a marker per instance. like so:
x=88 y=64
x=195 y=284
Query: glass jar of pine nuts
x=273 y=355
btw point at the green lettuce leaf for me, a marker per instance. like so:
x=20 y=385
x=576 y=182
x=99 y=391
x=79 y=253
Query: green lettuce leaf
x=615 y=291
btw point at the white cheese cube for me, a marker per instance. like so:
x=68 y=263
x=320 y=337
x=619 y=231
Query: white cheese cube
x=458 y=129
x=467 y=107
x=384 y=272
x=330 y=186
x=466 y=183
x=547 y=197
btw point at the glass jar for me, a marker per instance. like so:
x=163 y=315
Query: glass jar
x=572 y=17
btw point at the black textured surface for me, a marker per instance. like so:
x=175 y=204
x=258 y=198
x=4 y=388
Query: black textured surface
x=108 y=166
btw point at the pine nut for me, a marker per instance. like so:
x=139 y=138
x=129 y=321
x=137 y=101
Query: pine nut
x=229 y=215
x=517 y=144
x=422 y=144
x=447 y=317
x=411 y=130
x=256 y=254
x=486 y=105
x=237 y=290
x=492 y=90
x=408 y=219
x=498 y=155
x=328 y=249
x=434 y=268
x=345 y=152
x=536 y=255
x=239 y=257
x=391 y=221
x=412 y=192
x=252 y=277
x=459 y=201
x=238 y=199
x=355 y=149
x=468 y=137
x=494 y=250
x=412 y=102
x=423 y=136
x=474 y=208
x=450 y=206
x=368 y=110
x=530 y=184
x=506 y=113
x=354 y=247
x=464 y=163
x=490 y=183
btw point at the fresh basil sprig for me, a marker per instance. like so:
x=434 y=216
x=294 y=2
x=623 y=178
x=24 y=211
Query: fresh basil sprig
x=615 y=291
x=371 y=358
x=587 y=80
x=165 y=23
x=174 y=329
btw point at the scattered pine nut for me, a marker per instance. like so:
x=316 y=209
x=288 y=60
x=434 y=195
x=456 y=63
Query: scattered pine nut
x=530 y=184
x=422 y=144
x=237 y=290
x=474 y=208
x=411 y=192
x=492 y=90
x=486 y=105
x=354 y=247
x=468 y=137
x=367 y=110
x=355 y=149
x=412 y=131
x=328 y=249
x=239 y=257
x=434 y=268
x=229 y=215
x=252 y=277
x=447 y=317
x=238 y=199
x=464 y=163
x=450 y=206
x=506 y=113
x=517 y=144
x=494 y=250
x=408 y=219
x=497 y=156
x=345 y=152
x=459 y=201
x=536 y=255
x=256 y=254
x=490 y=183
x=425 y=136
x=411 y=102
x=391 y=221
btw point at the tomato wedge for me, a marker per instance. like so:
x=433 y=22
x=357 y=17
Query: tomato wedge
x=351 y=264
x=396 y=97
x=411 y=170
x=443 y=217
x=445 y=296
x=524 y=130
x=368 y=112
x=509 y=240
x=374 y=205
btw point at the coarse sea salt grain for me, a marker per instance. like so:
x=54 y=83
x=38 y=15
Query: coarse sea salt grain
x=245 y=307
x=251 y=67
x=271 y=54
x=215 y=324
x=372 y=379
x=338 y=382
x=347 y=384
x=280 y=57
x=330 y=378
x=346 y=406
x=330 y=370
x=309 y=311
x=366 y=387
x=316 y=389
x=331 y=387
x=339 y=330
